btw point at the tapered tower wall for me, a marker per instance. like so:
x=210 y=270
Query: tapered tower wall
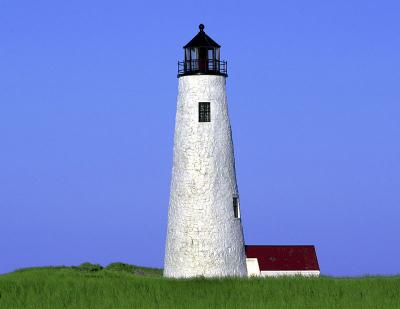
x=203 y=238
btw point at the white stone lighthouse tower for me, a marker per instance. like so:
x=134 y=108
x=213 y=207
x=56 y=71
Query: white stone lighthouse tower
x=205 y=235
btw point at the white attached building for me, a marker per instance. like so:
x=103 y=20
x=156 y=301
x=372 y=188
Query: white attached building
x=273 y=261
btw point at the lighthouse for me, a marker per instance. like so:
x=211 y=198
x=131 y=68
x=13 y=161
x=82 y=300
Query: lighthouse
x=205 y=234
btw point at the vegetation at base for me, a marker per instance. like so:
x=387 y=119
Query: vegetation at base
x=89 y=267
x=121 y=285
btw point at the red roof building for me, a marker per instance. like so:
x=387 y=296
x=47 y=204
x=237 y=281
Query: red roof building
x=281 y=260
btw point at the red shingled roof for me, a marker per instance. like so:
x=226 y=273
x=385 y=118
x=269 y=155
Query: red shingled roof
x=284 y=257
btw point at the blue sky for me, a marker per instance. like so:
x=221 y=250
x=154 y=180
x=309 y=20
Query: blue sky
x=87 y=105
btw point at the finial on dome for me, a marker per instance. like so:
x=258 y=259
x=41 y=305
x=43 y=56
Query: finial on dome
x=201 y=27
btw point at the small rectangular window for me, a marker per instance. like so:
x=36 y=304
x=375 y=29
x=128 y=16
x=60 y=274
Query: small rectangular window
x=236 y=210
x=211 y=60
x=204 y=112
x=194 y=59
x=210 y=54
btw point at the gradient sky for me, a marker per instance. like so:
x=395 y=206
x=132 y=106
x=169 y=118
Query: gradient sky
x=87 y=106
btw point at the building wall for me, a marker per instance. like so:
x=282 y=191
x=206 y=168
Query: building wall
x=253 y=269
x=277 y=273
x=203 y=237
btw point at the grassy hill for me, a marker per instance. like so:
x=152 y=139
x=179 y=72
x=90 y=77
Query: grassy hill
x=127 y=286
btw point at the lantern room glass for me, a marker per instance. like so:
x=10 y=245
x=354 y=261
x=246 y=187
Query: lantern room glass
x=202 y=59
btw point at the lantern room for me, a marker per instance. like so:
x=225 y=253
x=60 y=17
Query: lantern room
x=202 y=57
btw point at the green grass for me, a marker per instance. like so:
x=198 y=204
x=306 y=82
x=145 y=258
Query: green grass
x=126 y=286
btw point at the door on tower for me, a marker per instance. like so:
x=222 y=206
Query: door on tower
x=203 y=59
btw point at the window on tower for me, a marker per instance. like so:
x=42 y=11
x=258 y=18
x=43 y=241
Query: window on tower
x=204 y=112
x=211 y=60
x=236 y=210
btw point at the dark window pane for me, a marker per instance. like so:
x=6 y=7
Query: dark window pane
x=204 y=112
x=235 y=207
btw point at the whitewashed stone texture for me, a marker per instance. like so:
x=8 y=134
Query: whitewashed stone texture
x=203 y=237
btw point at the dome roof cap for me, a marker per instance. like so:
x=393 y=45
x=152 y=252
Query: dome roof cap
x=202 y=40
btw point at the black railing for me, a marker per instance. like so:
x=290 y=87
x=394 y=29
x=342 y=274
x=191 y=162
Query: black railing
x=212 y=67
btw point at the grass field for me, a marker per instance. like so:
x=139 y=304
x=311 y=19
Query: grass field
x=126 y=286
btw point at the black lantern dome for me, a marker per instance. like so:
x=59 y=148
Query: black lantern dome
x=202 y=57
